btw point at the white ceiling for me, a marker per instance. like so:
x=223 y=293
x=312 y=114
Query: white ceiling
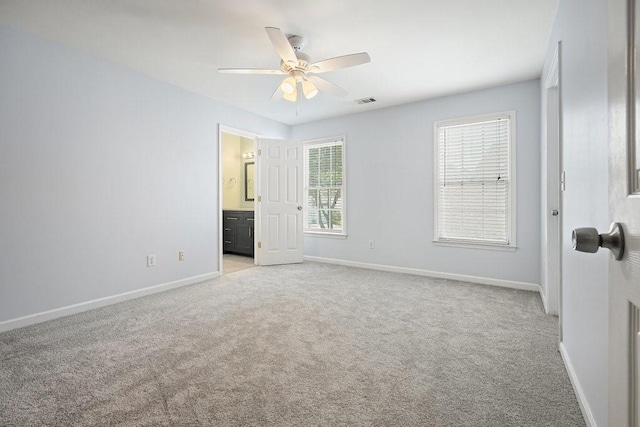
x=419 y=48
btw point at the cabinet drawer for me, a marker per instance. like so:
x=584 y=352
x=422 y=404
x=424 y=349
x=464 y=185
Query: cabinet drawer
x=231 y=218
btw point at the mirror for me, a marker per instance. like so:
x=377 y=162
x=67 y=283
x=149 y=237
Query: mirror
x=249 y=169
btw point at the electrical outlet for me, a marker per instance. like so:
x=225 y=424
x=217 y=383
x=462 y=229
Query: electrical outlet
x=151 y=260
x=372 y=244
x=180 y=255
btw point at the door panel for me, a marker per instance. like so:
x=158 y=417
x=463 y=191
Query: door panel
x=624 y=207
x=293 y=189
x=273 y=193
x=279 y=204
x=273 y=233
x=292 y=232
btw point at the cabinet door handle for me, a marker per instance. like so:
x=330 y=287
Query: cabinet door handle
x=227 y=229
x=249 y=219
x=226 y=241
x=249 y=231
x=230 y=217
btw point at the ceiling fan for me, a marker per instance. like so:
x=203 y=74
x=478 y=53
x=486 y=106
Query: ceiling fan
x=299 y=69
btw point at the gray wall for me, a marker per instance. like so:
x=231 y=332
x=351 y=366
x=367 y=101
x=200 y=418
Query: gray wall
x=100 y=166
x=581 y=25
x=390 y=185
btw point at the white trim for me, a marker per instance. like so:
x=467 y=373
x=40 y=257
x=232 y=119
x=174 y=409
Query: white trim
x=553 y=79
x=319 y=142
x=512 y=202
x=321 y=234
x=101 y=302
x=534 y=287
x=238 y=132
x=544 y=301
x=327 y=139
x=582 y=399
x=470 y=245
x=553 y=241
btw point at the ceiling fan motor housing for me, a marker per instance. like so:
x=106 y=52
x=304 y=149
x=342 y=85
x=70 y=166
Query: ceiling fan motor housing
x=296 y=42
x=303 y=63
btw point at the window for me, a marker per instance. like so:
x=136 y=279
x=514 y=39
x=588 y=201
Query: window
x=324 y=187
x=475 y=181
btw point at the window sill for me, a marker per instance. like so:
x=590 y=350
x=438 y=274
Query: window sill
x=321 y=234
x=506 y=248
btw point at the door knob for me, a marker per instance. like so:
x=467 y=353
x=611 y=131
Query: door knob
x=299 y=208
x=587 y=239
x=554 y=212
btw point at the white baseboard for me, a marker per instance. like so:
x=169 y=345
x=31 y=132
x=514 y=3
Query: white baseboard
x=101 y=302
x=440 y=275
x=543 y=297
x=582 y=399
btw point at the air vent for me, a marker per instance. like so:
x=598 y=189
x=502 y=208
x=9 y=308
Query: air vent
x=365 y=100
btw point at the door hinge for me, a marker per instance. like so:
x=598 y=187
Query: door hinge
x=259 y=245
x=259 y=152
x=259 y=198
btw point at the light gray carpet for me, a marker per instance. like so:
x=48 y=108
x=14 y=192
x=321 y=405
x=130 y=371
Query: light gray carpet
x=300 y=345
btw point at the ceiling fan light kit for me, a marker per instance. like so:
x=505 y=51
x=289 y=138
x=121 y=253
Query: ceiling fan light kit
x=309 y=89
x=291 y=97
x=299 y=69
x=288 y=85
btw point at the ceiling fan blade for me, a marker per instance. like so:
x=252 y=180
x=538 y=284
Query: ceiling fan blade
x=249 y=71
x=327 y=86
x=282 y=45
x=277 y=94
x=339 y=62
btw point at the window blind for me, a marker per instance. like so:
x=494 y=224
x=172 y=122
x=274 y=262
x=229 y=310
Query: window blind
x=324 y=187
x=474 y=182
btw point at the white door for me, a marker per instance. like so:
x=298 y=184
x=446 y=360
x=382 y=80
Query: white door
x=279 y=202
x=624 y=207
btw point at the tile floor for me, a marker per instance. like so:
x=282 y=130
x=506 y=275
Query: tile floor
x=232 y=263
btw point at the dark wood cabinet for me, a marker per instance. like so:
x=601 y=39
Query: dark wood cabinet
x=238 y=232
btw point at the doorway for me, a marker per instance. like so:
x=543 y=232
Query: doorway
x=237 y=183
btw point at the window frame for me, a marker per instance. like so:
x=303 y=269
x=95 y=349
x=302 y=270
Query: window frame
x=314 y=232
x=511 y=200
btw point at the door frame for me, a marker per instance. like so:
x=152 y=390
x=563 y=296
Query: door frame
x=245 y=134
x=554 y=182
